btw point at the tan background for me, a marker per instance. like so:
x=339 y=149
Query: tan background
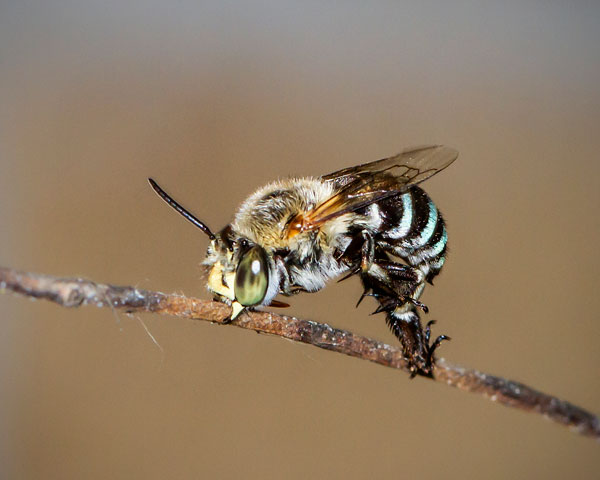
x=216 y=99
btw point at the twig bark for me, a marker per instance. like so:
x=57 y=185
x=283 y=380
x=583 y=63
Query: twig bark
x=76 y=292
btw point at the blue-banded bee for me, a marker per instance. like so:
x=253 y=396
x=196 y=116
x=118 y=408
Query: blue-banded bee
x=372 y=220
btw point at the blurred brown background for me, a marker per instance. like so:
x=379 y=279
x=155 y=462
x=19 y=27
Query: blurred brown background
x=214 y=99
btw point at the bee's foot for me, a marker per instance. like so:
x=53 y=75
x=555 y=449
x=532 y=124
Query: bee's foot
x=431 y=348
x=422 y=363
x=428 y=330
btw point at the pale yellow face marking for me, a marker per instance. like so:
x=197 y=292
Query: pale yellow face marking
x=216 y=285
x=215 y=282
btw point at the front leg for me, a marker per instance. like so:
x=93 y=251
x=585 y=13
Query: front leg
x=286 y=287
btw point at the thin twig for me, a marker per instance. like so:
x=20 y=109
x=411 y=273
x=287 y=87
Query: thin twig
x=76 y=292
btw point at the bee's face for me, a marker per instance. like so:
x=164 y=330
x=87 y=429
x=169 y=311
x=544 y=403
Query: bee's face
x=239 y=272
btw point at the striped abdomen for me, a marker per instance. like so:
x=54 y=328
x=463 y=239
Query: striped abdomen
x=414 y=230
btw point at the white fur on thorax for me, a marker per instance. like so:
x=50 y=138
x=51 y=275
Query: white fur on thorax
x=314 y=277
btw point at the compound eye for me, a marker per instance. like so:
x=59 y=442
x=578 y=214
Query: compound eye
x=252 y=277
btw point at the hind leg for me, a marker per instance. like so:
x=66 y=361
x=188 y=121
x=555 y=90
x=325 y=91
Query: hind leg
x=415 y=341
x=397 y=288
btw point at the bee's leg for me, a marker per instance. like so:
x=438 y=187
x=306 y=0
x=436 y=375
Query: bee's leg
x=360 y=254
x=401 y=282
x=436 y=343
x=285 y=284
x=406 y=325
x=367 y=252
x=396 y=279
x=397 y=288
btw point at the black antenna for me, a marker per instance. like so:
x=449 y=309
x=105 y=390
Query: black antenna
x=187 y=215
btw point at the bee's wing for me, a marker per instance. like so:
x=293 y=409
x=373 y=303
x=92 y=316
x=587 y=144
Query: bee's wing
x=409 y=167
x=360 y=186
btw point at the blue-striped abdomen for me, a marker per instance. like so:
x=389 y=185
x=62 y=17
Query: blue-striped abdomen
x=414 y=230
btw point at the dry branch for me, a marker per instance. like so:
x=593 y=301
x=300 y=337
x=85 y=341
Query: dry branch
x=77 y=292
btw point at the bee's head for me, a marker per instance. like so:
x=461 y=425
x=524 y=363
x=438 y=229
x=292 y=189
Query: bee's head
x=239 y=271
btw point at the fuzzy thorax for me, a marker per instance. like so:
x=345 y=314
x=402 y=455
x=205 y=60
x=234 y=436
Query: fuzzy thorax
x=263 y=217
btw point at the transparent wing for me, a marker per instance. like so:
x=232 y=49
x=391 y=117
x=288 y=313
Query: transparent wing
x=409 y=167
x=360 y=186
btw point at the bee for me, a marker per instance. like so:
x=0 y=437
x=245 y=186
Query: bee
x=372 y=220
